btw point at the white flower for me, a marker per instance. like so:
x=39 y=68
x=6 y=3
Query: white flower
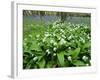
x=87 y=64
x=48 y=51
x=46 y=35
x=62 y=30
x=63 y=36
x=44 y=39
x=69 y=48
x=59 y=38
x=85 y=58
x=78 y=26
x=54 y=43
x=54 y=26
x=70 y=37
x=37 y=36
x=25 y=39
x=54 y=54
x=30 y=35
x=35 y=58
x=69 y=58
x=54 y=48
x=88 y=36
x=81 y=39
x=51 y=41
x=62 y=41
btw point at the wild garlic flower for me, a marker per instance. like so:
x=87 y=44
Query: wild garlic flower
x=85 y=58
x=54 y=54
x=87 y=64
x=81 y=39
x=38 y=36
x=47 y=35
x=69 y=48
x=54 y=49
x=44 y=39
x=55 y=44
x=35 y=58
x=62 y=30
x=69 y=58
x=48 y=51
x=30 y=35
x=63 y=36
x=51 y=41
x=70 y=37
x=62 y=41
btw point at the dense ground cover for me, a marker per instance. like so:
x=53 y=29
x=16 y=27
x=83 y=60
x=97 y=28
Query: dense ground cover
x=56 y=44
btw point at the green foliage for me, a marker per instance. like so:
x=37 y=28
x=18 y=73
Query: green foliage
x=61 y=58
x=75 y=53
x=57 y=45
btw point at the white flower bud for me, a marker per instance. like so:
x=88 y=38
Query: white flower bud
x=69 y=48
x=70 y=37
x=87 y=64
x=85 y=58
x=35 y=58
x=30 y=35
x=44 y=39
x=25 y=39
x=37 y=36
x=54 y=48
x=51 y=41
x=48 y=51
x=54 y=43
x=63 y=36
x=69 y=58
x=62 y=30
x=54 y=54
x=62 y=41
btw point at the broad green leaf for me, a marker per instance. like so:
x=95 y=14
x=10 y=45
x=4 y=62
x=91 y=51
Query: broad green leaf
x=35 y=46
x=41 y=63
x=75 y=53
x=61 y=58
x=78 y=63
x=51 y=64
x=86 y=45
x=37 y=53
x=28 y=66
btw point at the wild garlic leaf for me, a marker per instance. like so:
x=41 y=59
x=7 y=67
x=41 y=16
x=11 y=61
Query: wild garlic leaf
x=86 y=45
x=60 y=57
x=35 y=46
x=75 y=53
x=41 y=63
x=78 y=63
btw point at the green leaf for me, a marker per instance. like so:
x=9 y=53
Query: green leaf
x=35 y=46
x=41 y=63
x=86 y=45
x=61 y=58
x=75 y=53
x=28 y=66
x=51 y=64
x=78 y=63
x=37 y=53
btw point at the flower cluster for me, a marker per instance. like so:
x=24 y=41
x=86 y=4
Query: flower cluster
x=61 y=45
